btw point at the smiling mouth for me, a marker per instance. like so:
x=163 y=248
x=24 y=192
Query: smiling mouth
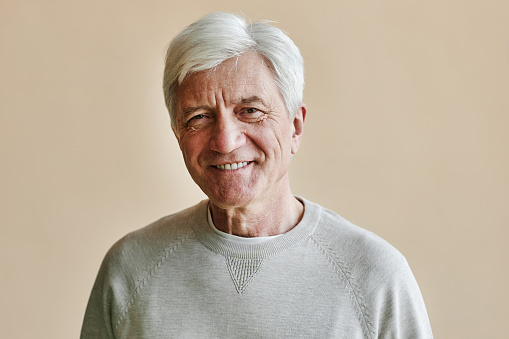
x=233 y=166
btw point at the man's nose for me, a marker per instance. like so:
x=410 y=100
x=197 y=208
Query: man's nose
x=227 y=136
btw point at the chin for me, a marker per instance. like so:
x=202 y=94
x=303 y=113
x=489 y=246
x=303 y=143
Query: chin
x=226 y=199
x=226 y=194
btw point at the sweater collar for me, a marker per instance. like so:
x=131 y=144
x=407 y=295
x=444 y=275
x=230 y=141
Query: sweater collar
x=230 y=248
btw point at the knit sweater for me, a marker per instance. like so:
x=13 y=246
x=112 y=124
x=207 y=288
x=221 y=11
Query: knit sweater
x=325 y=278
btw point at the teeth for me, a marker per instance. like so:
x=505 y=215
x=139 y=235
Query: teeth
x=236 y=165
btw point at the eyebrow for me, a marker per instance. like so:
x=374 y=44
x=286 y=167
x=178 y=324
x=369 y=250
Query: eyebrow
x=249 y=100
x=189 y=110
x=252 y=99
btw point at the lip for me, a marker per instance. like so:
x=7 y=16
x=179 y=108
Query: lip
x=232 y=166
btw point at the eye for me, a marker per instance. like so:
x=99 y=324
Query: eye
x=251 y=110
x=197 y=117
x=197 y=121
x=251 y=114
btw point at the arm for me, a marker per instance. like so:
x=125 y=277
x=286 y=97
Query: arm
x=399 y=306
x=98 y=316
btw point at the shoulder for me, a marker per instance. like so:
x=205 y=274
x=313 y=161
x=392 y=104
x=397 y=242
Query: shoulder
x=129 y=264
x=350 y=243
x=377 y=275
x=143 y=245
x=132 y=258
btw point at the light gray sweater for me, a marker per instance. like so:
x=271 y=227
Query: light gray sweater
x=325 y=278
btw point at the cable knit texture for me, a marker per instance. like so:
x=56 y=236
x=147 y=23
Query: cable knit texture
x=325 y=278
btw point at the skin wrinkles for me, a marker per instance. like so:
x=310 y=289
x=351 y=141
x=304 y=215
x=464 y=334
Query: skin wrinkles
x=236 y=114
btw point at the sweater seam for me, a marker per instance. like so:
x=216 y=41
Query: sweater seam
x=147 y=274
x=345 y=275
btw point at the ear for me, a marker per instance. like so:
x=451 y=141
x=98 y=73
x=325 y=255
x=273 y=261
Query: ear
x=298 y=127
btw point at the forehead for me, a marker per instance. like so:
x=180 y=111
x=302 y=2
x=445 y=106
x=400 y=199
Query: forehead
x=233 y=80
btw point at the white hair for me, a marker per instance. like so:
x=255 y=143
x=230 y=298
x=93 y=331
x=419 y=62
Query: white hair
x=219 y=36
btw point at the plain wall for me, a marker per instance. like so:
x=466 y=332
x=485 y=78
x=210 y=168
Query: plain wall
x=406 y=135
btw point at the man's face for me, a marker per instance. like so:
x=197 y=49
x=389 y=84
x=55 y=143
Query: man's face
x=234 y=132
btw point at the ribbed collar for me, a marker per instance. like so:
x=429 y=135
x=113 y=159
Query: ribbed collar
x=220 y=245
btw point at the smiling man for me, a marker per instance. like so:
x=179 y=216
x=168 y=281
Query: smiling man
x=237 y=140
x=252 y=261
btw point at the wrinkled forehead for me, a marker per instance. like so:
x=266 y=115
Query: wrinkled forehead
x=233 y=80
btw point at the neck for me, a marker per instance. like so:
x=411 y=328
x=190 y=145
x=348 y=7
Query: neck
x=272 y=217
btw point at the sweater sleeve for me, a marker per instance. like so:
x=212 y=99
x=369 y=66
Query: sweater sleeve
x=112 y=288
x=98 y=322
x=122 y=273
x=385 y=292
x=399 y=310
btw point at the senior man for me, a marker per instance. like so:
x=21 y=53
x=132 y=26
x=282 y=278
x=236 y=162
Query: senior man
x=252 y=261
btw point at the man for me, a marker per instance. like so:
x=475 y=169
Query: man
x=253 y=261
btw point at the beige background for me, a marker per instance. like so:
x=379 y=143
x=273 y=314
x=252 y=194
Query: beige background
x=405 y=136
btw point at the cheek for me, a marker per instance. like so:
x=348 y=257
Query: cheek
x=275 y=145
x=283 y=137
x=186 y=147
x=191 y=147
